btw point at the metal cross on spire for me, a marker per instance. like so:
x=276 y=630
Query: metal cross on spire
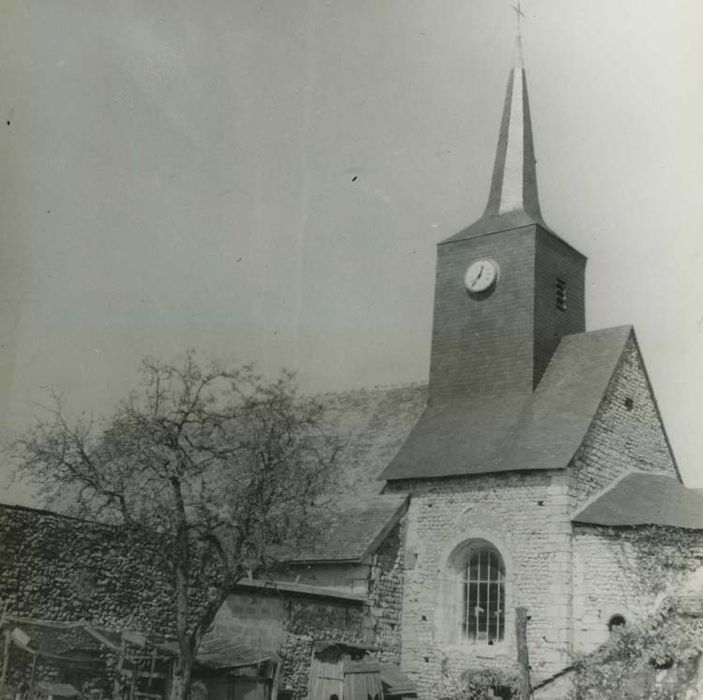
x=518 y=13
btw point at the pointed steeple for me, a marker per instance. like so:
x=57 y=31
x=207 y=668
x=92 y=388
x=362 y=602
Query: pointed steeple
x=513 y=200
x=514 y=184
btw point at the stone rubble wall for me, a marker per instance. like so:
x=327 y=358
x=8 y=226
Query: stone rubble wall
x=623 y=436
x=386 y=594
x=58 y=568
x=610 y=579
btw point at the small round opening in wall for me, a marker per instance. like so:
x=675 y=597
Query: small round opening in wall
x=616 y=621
x=629 y=403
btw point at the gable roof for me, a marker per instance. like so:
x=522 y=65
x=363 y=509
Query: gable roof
x=640 y=498
x=538 y=431
x=354 y=533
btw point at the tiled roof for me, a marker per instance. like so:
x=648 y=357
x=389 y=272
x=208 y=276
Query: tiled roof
x=355 y=532
x=539 y=431
x=645 y=499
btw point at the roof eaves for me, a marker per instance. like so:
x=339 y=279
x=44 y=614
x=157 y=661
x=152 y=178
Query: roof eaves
x=300 y=589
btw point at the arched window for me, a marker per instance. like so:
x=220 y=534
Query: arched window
x=483 y=594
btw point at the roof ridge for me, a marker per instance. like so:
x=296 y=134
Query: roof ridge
x=607 y=329
x=416 y=384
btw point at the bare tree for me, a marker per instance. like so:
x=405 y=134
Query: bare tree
x=217 y=465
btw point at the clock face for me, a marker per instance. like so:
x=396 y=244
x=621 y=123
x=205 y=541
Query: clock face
x=481 y=275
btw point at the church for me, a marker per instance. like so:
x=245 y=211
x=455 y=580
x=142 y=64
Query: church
x=489 y=521
x=519 y=477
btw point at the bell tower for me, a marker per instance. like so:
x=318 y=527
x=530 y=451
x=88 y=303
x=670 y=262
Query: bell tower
x=507 y=287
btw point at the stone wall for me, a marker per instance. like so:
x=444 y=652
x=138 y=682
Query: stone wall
x=58 y=568
x=626 y=433
x=386 y=594
x=525 y=516
x=610 y=578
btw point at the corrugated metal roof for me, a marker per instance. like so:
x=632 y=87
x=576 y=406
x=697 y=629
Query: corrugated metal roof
x=538 y=431
x=645 y=499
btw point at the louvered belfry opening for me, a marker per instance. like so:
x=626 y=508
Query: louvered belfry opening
x=484 y=596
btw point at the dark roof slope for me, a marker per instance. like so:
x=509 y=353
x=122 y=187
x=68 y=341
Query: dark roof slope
x=640 y=498
x=542 y=430
x=355 y=532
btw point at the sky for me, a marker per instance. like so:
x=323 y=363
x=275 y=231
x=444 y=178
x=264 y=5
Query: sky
x=267 y=181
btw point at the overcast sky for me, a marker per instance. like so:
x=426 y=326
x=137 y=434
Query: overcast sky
x=267 y=180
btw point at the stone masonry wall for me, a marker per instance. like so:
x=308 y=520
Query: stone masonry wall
x=386 y=594
x=58 y=568
x=609 y=580
x=525 y=516
x=627 y=433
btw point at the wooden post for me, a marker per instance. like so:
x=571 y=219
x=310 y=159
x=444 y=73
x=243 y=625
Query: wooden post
x=152 y=668
x=523 y=658
x=5 y=660
x=30 y=693
x=117 y=688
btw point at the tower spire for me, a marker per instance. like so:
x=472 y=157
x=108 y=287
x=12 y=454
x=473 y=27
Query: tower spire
x=513 y=200
x=514 y=183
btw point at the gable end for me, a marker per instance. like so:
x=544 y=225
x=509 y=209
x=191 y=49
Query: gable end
x=627 y=433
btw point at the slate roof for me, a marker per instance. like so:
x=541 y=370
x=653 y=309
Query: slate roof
x=538 y=431
x=640 y=498
x=354 y=532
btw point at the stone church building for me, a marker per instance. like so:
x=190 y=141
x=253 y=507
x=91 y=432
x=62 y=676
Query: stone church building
x=513 y=479
x=508 y=480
